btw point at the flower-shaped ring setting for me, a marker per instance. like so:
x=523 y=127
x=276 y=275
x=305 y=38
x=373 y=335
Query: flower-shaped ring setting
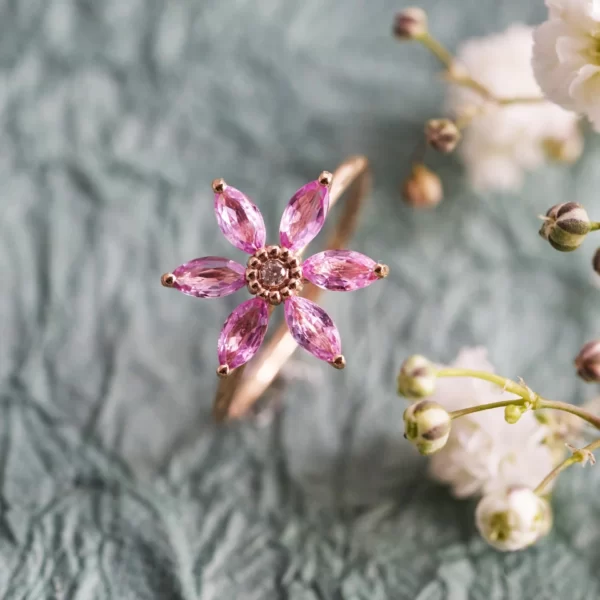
x=275 y=274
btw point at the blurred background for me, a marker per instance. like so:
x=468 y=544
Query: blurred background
x=115 y=116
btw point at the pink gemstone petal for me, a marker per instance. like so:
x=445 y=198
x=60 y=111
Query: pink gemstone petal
x=209 y=277
x=304 y=216
x=312 y=328
x=243 y=333
x=340 y=270
x=240 y=220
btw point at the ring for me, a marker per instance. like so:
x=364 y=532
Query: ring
x=277 y=274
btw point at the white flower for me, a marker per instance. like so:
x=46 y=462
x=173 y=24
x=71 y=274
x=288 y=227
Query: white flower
x=513 y=519
x=566 y=56
x=502 y=142
x=484 y=453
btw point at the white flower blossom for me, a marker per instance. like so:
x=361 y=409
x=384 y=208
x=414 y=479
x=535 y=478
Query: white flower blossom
x=513 y=519
x=484 y=453
x=504 y=141
x=566 y=56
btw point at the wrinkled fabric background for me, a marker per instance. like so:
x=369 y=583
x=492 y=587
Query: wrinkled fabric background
x=115 y=116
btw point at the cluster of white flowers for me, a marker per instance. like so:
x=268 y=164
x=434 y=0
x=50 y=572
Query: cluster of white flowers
x=484 y=453
x=566 y=56
x=504 y=141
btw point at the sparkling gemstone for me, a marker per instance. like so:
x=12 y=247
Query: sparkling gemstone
x=312 y=328
x=273 y=273
x=243 y=333
x=209 y=277
x=240 y=220
x=304 y=216
x=340 y=270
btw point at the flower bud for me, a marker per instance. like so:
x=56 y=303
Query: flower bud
x=417 y=377
x=410 y=24
x=423 y=189
x=427 y=426
x=513 y=412
x=565 y=226
x=587 y=361
x=596 y=261
x=513 y=519
x=442 y=134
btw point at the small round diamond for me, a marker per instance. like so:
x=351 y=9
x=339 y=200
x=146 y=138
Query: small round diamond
x=273 y=274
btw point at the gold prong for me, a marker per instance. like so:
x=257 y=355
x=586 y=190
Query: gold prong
x=254 y=287
x=285 y=292
x=284 y=254
x=273 y=251
x=253 y=262
x=262 y=255
x=251 y=275
x=223 y=371
x=293 y=262
x=218 y=186
x=275 y=297
x=296 y=273
x=339 y=362
x=381 y=270
x=168 y=280
x=325 y=178
x=295 y=286
x=264 y=293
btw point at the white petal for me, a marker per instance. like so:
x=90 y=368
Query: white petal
x=572 y=50
x=585 y=90
x=553 y=77
x=580 y=14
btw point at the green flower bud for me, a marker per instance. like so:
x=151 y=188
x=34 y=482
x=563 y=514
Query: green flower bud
x=513 y=412
x=513 y=519
x=442 y=134
x=587 y=362
x=410 y=24
x=596 y=261
x=565 y=226
x=427 y=426
x=417 y=377
x=423 y=188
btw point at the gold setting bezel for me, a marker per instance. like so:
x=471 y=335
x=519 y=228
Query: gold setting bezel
x=291 y=285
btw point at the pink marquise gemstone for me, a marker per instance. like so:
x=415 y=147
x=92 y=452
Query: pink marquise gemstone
x=209 y=277
x=240 y=220
x=340 y=270
x=304 y=216
x=312 y=328
x=243 y=333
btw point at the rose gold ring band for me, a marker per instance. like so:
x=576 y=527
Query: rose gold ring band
x=237 y=393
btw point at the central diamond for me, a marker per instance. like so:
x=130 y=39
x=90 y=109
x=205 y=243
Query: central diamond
x=273 y=273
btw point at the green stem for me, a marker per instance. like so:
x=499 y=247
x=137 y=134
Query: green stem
x=506 y=384
x=455 y=414
x=595 y=225
x=577 y=457
x=436 y=48
x=467 y=81
x=446 y=58
x=521 y=100
x=512 y=387
x=570 y=408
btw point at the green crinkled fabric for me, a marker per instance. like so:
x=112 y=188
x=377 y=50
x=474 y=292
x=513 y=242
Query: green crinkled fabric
x=114 y=483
